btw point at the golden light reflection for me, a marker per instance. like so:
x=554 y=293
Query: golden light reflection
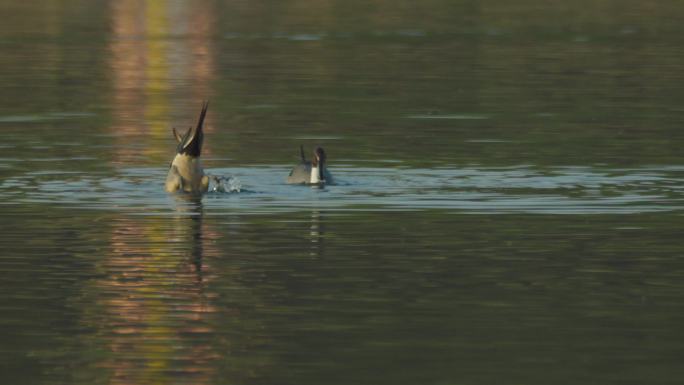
x=157 y=88
x=162 y=66
x=157 y=310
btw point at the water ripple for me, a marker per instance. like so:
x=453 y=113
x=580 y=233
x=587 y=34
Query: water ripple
x=522 y=189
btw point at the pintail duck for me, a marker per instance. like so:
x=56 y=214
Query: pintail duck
x=311 y=172
x=186 y=173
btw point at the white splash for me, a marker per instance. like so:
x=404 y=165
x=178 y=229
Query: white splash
x=223 y=184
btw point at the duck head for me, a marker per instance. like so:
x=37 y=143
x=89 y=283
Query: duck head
x=318 y=164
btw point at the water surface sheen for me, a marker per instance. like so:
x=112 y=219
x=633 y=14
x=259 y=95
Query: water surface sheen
x=251 y=190
x=507 y=208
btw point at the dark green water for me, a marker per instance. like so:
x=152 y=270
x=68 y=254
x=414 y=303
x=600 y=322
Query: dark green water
x=508 y=206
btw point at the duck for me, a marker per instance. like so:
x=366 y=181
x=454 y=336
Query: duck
x=311 y=172
x=186 y=173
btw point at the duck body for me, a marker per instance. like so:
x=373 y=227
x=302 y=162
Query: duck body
x=311 y=172
x=186 y=173
x=302 y=174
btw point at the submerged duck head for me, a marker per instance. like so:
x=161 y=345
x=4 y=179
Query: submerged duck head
x=186 y=173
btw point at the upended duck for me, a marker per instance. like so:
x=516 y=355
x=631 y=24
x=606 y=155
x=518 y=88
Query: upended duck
x=311 y=172
x=186 y=173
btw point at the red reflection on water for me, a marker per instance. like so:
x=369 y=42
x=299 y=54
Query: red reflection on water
x=156 y=310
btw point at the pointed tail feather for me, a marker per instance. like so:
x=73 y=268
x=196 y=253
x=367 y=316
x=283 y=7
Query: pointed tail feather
x=205 y=105
x=192 y=141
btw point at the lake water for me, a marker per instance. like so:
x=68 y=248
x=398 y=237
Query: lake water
x=507 y=208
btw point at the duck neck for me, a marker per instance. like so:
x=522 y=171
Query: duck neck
x=315 y=174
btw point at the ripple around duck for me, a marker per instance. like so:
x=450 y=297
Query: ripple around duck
x=523 y=189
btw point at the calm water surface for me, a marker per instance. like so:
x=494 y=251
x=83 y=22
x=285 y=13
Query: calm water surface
x=508 y=205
